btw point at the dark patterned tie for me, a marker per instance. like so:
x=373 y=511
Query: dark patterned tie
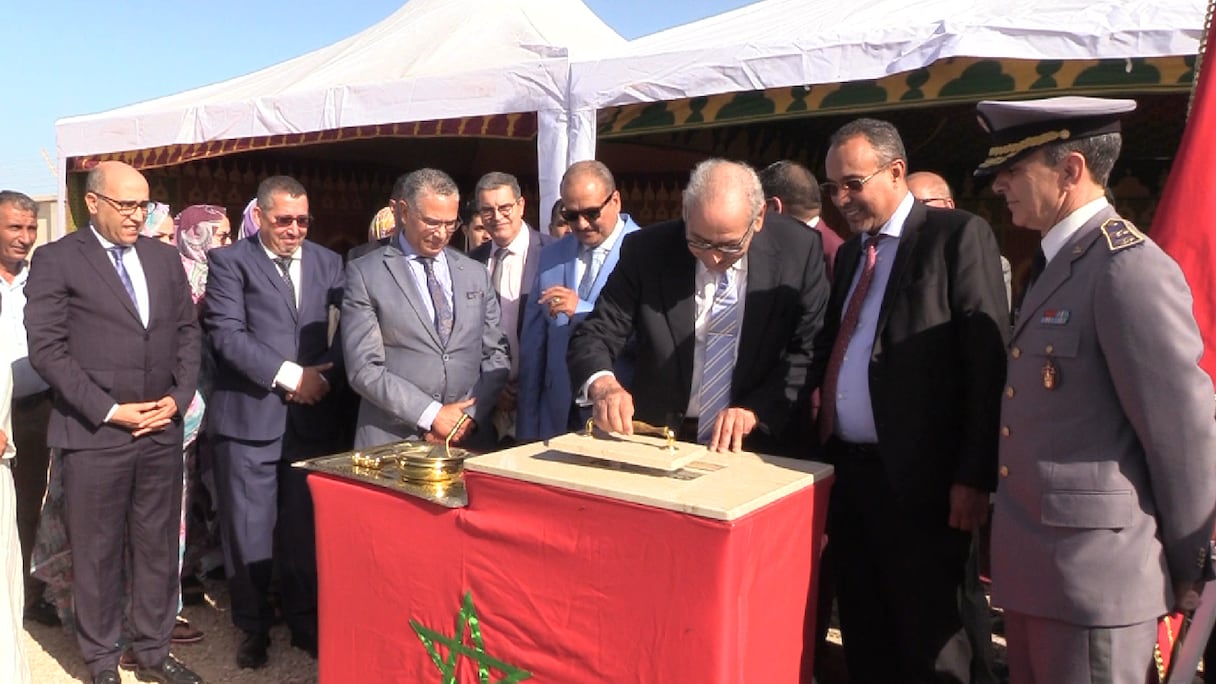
x=117 y=252
x=443 y=309
x=848 y=325
x=284 y=264
x=496 y=269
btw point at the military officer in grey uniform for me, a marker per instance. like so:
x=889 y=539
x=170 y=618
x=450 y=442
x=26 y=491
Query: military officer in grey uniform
x=1107 y=466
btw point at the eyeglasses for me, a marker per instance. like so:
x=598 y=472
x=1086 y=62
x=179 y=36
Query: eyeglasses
x=436 y=224
x=488 y=213
x=127 y=207
x=729 y=248
x=303 y=220
x=941 y=202
x=592 y=215
x=830 y=188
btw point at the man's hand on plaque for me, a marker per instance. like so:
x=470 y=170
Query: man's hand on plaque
x=612 y=406
x=730 y=427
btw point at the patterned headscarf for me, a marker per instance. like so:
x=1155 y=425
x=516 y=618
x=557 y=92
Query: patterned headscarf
x=249 y=227
x=194 y=228
x=382 y=225
x=158 y=214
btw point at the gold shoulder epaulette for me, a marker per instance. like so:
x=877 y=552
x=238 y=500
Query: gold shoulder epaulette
x=1121 y=234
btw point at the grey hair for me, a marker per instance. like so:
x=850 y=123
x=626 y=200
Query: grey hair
x=497 y=179
x=274 y=185
x=95 y=182
x=410 y=187
x=22 y=201
x=593 y=168
x=882 y=136
x=702 y=187
x=1100 y=152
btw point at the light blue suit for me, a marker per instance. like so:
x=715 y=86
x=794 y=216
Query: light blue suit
x=545 y=397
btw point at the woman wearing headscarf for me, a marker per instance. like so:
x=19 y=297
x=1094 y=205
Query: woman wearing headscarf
x=249 y=225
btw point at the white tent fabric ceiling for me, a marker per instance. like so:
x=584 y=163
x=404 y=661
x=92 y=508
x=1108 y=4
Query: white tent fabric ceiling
x=441 y=59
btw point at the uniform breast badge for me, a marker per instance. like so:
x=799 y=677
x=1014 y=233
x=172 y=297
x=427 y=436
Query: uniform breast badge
x=1051 y=374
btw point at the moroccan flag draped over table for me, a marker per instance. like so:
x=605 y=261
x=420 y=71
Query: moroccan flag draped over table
x=534 y=582
x=1184 y=225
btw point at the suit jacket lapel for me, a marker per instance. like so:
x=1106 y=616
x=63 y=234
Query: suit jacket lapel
x=465 y=280
x=908 y=239
x=100 y=260
x=310 y=274
x=398 y=267
x=763 y=274
x=678 y=288
x=270 y=270
x=610 y=259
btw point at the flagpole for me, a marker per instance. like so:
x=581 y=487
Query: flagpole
x=1203 y=46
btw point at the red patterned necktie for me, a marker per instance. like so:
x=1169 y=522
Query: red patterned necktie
x=848 y=325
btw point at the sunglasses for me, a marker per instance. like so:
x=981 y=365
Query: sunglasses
x=303 y=220
x=128 y=207
x=592 y=215
x=854 y=185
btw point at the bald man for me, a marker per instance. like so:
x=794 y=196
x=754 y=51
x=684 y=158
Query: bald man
x=112 y=330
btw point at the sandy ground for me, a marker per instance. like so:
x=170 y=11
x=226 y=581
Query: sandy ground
x=55 y=658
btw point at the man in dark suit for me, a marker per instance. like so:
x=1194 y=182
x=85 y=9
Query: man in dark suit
x=420 y=327
x=725 y=304
x=267 y=312
x=790 y=188
x=910 y=404
x=511 y=256
x=112 y=330
x=573 y=270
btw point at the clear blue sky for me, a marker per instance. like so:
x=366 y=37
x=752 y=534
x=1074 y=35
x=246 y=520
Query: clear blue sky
x=68 y=57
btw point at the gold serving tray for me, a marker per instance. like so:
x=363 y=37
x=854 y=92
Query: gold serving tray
x=430 y=472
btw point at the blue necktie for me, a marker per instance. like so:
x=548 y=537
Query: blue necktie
x=443 y=309
x=117 y=252
x=587 y=283
x=719 y=355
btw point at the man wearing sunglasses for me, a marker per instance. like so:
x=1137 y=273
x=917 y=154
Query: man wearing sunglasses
x=112 y=330
x=267 y=312
x=511 y=256
x=909 y=411
x=725 y=304
x=572 y=272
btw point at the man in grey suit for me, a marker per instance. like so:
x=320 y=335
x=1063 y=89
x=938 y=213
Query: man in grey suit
x=422 y=364
x=1108 y=447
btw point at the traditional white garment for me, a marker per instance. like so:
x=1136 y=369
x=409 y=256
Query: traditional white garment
x=14 y=668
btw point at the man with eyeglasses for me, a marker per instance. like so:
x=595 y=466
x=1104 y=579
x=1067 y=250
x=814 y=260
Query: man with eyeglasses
x=790 y=188
x=912 y=371
x=725 y=304
x=420 y=327
x=511 y=256
x=111 y=328
x=573 y=270
x=275 y=401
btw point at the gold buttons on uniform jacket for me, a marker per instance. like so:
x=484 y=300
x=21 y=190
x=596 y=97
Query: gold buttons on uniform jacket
x=1016 y=352
x=1004 y=430
x=1004 y=471
x=1009 y=391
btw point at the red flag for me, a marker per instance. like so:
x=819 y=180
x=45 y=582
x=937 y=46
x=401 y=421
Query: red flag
x=1183 y=224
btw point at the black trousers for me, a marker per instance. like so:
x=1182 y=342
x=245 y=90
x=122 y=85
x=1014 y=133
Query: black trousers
x=899 y=571
x=134 y=490
x=30 y=416
x=266 y=514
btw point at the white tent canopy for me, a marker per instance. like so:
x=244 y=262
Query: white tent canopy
x=429 y=60
x=784 y=43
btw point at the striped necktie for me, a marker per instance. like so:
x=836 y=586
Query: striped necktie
x=116 y=252
x=284 y=264
x=719 y=365
x=443 y=308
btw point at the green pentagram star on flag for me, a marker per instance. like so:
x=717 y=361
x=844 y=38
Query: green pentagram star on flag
x=467 y=617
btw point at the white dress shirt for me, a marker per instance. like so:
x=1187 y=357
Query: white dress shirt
x=290 y=373
x=599 y=254
x=14 y=348
x=135 y=271
x=1062 y=232
x=443 y=274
